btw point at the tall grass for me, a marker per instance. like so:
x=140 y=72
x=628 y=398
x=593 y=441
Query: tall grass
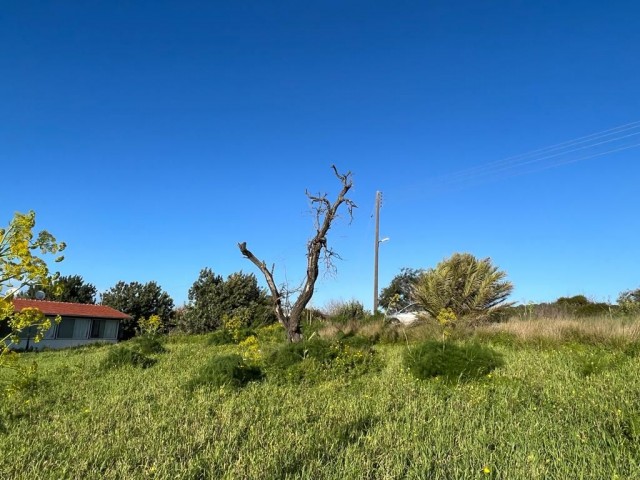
x=541 y=415
x=605 y=330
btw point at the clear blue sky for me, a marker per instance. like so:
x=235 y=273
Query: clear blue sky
x=152 y=136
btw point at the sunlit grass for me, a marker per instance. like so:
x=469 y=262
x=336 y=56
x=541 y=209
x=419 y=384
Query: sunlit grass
x=543 y=414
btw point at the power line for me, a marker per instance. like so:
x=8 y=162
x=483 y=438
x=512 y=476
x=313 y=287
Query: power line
x=541 y=168
x=566 y=162
x=516 y=159
x=529 y=161
x=559 y=153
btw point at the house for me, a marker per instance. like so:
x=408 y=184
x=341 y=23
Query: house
x=81 y=324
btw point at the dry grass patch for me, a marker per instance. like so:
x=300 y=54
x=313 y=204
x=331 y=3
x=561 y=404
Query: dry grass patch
x=594 y=331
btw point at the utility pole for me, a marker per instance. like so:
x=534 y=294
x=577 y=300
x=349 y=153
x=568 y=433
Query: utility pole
x=375 y=255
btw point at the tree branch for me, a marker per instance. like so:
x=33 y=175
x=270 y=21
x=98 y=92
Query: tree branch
x=325 y=213
x=268 y=274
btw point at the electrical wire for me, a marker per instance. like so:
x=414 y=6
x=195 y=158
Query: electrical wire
x=524 y=157
x=529 y=161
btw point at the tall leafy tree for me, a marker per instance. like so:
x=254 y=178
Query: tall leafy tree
x=211 y=298
x=70 y=288
x=139 y=301
x=465 y=285
x=398 y=294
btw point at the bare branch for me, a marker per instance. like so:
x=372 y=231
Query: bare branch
x=325 y=213
x=275 y=293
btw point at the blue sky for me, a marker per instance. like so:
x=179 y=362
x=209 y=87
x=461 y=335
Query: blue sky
x=153 y=136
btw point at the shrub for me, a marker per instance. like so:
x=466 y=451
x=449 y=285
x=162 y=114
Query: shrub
x=120 y=356
x=292 y=353
x=226 y=370
x=592 y=310
x=573 y=302
x=229 y=337
x=317 y=359
x=149 y=344
x=354 y=361
x=150 y=325
x=273 y=333
x=629 y=302
x=450 y=361
x=340 y=311
x=354 y=340
x=220 y=337
x=242 y=334
x=251 y=350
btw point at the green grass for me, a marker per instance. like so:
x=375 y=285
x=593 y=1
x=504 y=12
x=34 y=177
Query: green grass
x=572 y=411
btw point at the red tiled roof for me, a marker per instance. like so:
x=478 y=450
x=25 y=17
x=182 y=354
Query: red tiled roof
x=69 y=309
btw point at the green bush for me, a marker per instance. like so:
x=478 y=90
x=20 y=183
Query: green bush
x=356 y=341
x=317 y=360
x=220 y=337
x=149 y=344
x=292 y=353
x=120 y=356
x=273 y=333
x=451 y=361
x=592 y=309
x=224 y=336
x=226 y=370
x=340 y=311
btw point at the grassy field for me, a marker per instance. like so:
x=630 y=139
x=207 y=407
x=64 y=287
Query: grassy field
x=557 y=409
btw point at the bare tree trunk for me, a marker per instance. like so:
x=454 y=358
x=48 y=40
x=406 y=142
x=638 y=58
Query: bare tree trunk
x=325 y=213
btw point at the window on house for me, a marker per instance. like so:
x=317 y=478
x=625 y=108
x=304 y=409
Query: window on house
x=65 y=328
x=28 y=332
x=97 y=328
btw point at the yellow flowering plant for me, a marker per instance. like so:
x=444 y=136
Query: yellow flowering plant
x=251 y=350
x=150 y=326
x=20 y=266
x=446 y=318
x=236 y=323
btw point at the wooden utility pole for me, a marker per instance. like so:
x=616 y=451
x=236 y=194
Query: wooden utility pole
x=375 y=255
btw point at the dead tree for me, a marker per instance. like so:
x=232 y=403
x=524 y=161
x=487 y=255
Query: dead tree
x=325 y=213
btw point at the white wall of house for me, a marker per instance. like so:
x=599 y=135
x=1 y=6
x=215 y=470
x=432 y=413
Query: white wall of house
x=73 y=332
